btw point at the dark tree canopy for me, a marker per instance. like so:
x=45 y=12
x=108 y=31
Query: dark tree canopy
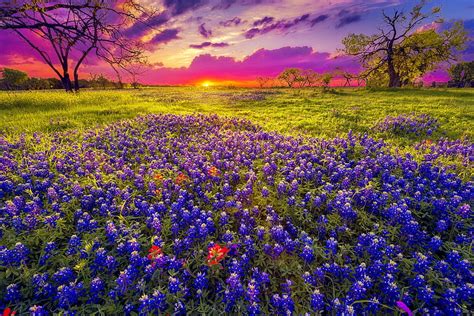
x=401 y=51
x=462 y=74
x=71 y=30
x=13 y=79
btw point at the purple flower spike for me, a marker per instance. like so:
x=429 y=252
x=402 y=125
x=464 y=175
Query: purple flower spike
x=404 y=308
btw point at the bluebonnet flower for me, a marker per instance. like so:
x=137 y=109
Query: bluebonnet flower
x=317 y=301
x=331 y=246
x=64 y=275
x=307 y=254
x=13 y=293
x=38 y=310
x=68 y=295
x=174 y=285
x=48 y=252
x=97 y=287
x=234 y=291
x=73 y=246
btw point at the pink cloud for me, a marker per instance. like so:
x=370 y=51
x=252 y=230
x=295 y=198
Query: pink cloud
x=263 y=62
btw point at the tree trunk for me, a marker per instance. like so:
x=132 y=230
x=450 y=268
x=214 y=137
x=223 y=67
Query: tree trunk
x=67 y=84
x=394 y=81
x=394 y=77
x=76 y=81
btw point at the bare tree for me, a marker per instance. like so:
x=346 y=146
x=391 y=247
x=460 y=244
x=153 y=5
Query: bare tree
x=361 y=79
x=262 y=81
x=311 y=77
x=73 y=29
x=348 y=78
x=135 y=70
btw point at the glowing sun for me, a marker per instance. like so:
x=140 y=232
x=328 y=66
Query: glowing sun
x=206 y=84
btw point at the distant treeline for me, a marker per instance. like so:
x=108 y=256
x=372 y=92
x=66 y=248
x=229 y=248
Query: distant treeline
x=12 y=79
x=462 y=76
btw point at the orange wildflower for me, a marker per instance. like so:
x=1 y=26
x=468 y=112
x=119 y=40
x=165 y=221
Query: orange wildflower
x=213 y=171
x=158 y=177
x=181 y=178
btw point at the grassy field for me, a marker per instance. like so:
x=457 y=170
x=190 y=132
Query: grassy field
x=308 y=111
x=197 y=215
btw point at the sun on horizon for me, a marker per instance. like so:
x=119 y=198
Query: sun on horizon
x=207 y=83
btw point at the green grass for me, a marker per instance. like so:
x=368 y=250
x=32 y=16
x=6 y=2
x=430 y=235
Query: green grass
x=306 y=111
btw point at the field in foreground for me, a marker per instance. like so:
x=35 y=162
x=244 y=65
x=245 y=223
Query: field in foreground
x=204 y=214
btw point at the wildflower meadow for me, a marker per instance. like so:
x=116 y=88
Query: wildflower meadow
x=205 y=214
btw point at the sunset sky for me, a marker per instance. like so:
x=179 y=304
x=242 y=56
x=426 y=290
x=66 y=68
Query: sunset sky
x=237 y=40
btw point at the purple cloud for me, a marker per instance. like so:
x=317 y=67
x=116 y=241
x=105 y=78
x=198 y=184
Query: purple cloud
x=221 y=44
x=165 y=37
x=264 y=20
x=232 y=22
x=296 y=21
x=319 y=19
x=278 y=25
x=208 y=44
x=140 y=28
x=226 y=4
x=347 y=17
x=206 y=33
x=263 y=62
x=252 y=33
x=348 y=20
x=178 y=7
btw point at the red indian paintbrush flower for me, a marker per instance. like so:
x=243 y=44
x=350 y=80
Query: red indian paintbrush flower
x=154 y=252
x=216 y=254
x=8 y=312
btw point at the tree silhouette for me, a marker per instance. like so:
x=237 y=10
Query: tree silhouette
x=290 y=76
x=73 y=29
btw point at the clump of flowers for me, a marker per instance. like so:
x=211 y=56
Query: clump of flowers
x=408 y=124
x=252 y=222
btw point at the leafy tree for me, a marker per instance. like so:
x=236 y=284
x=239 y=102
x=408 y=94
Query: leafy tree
x=37 y=84
x=99 y=81
x=400 y=51
x=14 y=79
x=72 y=29
x=463 y=74
x=311 y=77
x=326 y=79
x=290 y=76
x=55 y=83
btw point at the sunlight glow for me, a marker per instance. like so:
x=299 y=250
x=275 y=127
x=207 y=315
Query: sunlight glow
x=206 y=84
